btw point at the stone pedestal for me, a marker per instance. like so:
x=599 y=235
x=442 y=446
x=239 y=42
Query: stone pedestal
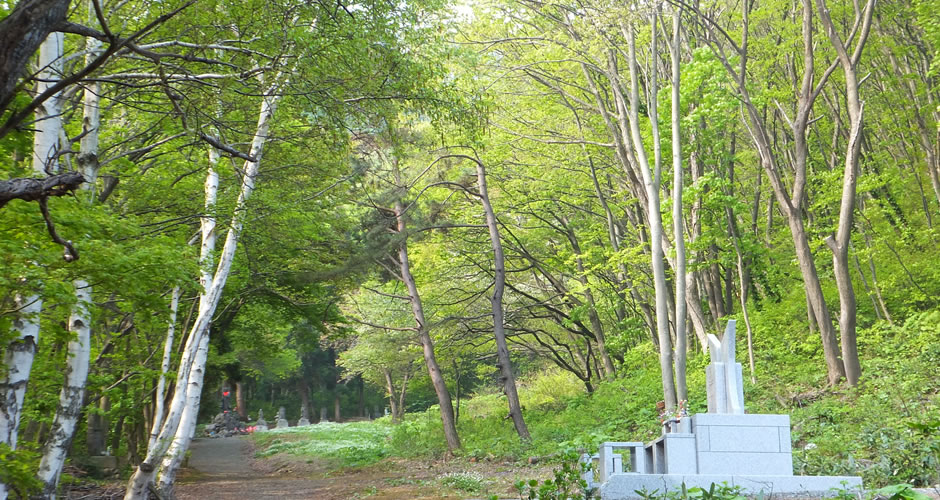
x=625 y=486
x=282 y=418
x=302 y=422
x=742 y=444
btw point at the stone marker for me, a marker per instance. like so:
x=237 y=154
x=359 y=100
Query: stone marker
x=260 y=424
x=724 y=445
x=282 y=418
x=724 y=382
x=323 y=415
x=303 y=416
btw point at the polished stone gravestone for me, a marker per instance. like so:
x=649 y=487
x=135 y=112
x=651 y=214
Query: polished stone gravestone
x=261 y=424
x=282 y=418
x=725 y=445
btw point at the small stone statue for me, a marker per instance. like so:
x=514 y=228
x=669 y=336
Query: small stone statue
x=260 y=424
x=304 y=420
x=282 y=418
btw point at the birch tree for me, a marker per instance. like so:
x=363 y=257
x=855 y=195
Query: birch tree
x=18 y=358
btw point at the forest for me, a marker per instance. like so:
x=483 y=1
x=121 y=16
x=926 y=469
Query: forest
x=530 y=213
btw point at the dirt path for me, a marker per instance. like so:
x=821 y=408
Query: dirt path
x=224 y=468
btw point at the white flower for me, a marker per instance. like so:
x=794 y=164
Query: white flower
x=810 y=446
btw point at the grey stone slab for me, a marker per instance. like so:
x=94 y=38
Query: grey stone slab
x=737 y=462
x=282 y=423
x=625 y=486
x=680 y=457
x=741 y=438
x=750 y=419
x=702 y=434
x=784 y=434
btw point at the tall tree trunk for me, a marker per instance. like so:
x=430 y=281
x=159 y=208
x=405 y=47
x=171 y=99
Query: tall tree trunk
x=187 y=424
x=652 y=184
x=424 y=335
x=71 y=396
x=840 y=244
x=160 y=394
x=21 y=351
x=392 y=394
x=681 y=352
x=499 y=331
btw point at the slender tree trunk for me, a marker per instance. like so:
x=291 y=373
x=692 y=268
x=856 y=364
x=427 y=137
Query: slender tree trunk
x=499 y=285
x=20 y=353
x=160 y=394
x=427 y=345
x=652 y=184
x=187 y=424
x=392 y=394
x=71 y=396
x=840 y=244
x=401 y=395
x=681 y=350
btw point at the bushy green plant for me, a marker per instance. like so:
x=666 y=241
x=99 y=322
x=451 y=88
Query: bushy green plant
x=898 y=492
x=567 y=483
x=716 y=491
x=464 y=481
x=18 y=471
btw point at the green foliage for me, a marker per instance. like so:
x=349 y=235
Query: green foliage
x=18 y=471
x=565 y=484
x=898 y=492
x=464 y=481
x=722 y=491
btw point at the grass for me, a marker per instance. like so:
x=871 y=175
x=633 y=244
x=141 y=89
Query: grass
x=352 y=444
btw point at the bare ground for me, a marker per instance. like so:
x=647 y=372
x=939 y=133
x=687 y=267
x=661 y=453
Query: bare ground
x=224 y=468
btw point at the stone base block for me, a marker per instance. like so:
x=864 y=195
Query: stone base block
x=282 y=423
x=302 y=422
x=625 y=486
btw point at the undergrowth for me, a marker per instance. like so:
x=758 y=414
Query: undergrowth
x=352 y=444
x=887 y=430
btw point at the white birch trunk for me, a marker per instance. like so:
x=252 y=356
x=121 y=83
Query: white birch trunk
x=187 y=426
x=49 y=114
x=19 y=355
x=143 y=477
x=164 y=368
x=177 y=449
x=18 y=361
x=71 y=396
